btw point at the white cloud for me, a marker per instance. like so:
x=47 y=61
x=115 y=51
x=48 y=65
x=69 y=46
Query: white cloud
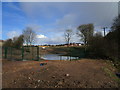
x=102 y=31
x=41 y=36
x=56 y=38
x=13 y=6
x=12 y=34
x=51 y=40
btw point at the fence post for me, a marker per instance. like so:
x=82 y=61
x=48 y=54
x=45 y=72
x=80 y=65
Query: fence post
x=38 y=53
x=32 y=51
x=11 y=51
x=60 y=57
x=5 y=52
x=70 y=58
x=22 y=52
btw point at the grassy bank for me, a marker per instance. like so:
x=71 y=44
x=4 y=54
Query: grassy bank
x=69 y=51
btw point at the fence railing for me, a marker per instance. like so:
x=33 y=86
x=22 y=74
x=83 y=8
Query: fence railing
x=24 y=53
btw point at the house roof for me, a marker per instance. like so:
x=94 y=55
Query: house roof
x=1 y=40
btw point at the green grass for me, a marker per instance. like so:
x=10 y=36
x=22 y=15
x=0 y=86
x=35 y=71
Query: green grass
x=117 y=64
x=70 y=51
x=111 y=74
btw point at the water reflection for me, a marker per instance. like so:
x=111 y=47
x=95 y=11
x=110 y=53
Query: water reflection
x=57 y=57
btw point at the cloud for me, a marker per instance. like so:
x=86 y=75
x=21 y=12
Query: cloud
x=67 y=20
x=50 y=20
x=13 y=6
x=53 y=40
x=12 y=34
x=31 y=10
x=35 y=27
x=101 y=13
x=57 y=38
x=15 y=18
x=41 y=36
x=42 y=9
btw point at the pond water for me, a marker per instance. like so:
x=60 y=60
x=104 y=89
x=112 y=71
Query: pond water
x=57 y=57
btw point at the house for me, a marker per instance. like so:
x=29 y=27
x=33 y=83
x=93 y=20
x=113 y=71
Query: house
x=74 y=44
x=1 y=42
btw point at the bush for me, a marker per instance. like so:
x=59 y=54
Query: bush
x=8 y=43
x=104 y=47
x=17 y=42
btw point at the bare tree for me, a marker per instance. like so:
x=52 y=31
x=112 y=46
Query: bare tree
x=68 y=35
x=29 y=36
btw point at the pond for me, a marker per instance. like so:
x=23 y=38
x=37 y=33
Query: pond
x=57 y=57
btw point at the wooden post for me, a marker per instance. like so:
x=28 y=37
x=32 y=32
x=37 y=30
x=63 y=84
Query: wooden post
x=38 y=53
x=22 y=52
x=11 y=51
x=60 y=57
x=70 y=58
x=32 y=52
x=6 y=52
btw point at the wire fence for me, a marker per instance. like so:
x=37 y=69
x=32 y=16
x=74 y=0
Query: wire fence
x=24 y=53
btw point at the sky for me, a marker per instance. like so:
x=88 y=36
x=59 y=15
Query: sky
x=50 y=19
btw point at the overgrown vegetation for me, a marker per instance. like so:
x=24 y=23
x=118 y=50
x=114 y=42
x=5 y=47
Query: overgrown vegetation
x=70 y=51
x=16 y=42
x=106 y=47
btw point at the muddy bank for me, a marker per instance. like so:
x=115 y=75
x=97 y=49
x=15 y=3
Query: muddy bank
x=85 y=73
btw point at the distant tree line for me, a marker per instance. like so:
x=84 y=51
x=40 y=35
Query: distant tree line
x=28 y=37
x=96 y=45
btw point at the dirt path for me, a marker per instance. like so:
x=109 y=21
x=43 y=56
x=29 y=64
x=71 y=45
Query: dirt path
x=57 y=74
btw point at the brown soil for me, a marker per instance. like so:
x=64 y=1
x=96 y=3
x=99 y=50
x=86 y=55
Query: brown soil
x=83 y=73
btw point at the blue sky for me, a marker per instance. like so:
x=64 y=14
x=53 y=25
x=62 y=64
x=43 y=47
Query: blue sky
x=50 y=19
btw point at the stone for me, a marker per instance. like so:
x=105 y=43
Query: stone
x=29 y=78
x=35 y=86
x=60 y=83
x=14 y=81
x=67 y=75
x=38 y=81
x=53 y=76
x=55 y=86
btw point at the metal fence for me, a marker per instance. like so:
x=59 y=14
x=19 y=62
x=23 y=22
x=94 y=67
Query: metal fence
x=24 y=53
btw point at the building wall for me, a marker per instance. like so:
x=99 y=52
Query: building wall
x=1 y=43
